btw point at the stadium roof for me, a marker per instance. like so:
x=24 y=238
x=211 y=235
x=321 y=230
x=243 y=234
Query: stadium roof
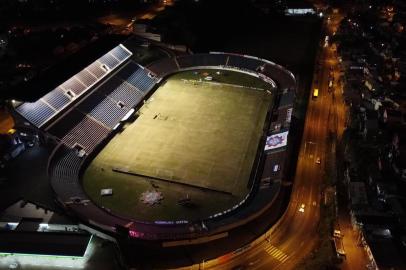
x=44 y=243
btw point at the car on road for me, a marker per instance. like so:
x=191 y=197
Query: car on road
x=330 y=84
x=302 y=207
x=318 y=160
x=315 y=93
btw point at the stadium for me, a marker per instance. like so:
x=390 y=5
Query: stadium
x=181 y=148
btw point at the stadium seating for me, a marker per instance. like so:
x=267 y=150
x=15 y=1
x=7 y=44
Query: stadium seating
x=141 y=80
x=64 y=173
x=121 y=91
x=137 y=76
x=87 y=135
x=127 y=94
x=108 y=112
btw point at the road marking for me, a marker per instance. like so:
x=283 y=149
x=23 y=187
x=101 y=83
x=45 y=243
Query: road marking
x=276 y=253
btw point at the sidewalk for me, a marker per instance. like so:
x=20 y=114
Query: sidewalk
x=356 y=255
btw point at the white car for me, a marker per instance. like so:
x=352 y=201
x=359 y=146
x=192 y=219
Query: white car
x=318 y=160
x=302 y=207
x=337 y=233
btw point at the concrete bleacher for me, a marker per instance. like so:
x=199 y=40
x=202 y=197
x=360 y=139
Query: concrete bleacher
x=64 y=173
x=137 y=76
x=85 y=130
x=87 y=124
x=121 y=91
x=108 y=112
x=87 y=134
x=127 y=94
x=141 y=80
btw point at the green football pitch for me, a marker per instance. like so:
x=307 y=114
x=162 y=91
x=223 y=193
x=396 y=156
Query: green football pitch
x=193 y=139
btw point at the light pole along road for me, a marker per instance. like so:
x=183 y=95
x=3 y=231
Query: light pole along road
x=295 y=235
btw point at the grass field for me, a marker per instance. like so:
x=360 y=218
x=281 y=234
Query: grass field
x=194 y=138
